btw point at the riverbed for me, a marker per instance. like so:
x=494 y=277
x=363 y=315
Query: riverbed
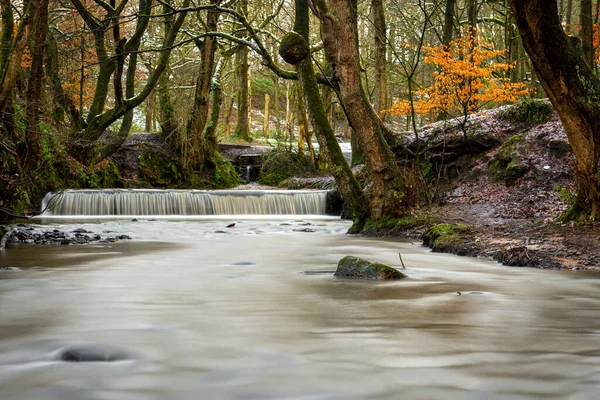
x=196 y=310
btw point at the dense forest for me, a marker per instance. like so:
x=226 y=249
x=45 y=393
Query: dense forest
x=79 y=77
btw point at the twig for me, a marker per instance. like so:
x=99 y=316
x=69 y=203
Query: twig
x=400 y=255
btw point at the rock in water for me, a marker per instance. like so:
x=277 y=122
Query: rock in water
x=91 y=354
x=358 y=268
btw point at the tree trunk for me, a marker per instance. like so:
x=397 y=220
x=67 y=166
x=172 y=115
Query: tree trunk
x=381 y=102
x=6 y=37
x=568 y=14
x=338 y=29
x=11 y=64
x=210 y=134
x=166 y=111
x=472 y=8
x=34 y=85
x=302 y=120
x=149 y=113
x=449 y=12
x=266 y=120
x=199 y=113
x=65 y=102
x=573 y=89
x=587 y=32
x=227 y=129
x=297 y=43
x=242 y=129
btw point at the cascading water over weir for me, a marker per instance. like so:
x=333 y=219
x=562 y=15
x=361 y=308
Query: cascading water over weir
x=156 y=202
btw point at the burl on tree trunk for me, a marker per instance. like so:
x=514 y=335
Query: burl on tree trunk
x=573 y=89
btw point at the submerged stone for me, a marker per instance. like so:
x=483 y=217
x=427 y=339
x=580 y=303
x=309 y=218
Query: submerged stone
x=358 y=268
x=91 y=354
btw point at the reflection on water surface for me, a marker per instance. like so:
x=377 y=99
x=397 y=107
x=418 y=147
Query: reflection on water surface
x=208 y=312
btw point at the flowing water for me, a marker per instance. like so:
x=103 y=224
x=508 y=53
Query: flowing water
x=195 y=310
x=157 y=202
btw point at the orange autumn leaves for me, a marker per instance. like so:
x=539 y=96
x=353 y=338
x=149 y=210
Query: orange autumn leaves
x=467 y=78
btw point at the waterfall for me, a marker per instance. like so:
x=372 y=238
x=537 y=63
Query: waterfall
x=156 y=202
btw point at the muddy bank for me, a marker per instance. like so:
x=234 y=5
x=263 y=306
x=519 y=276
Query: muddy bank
x=519 y=242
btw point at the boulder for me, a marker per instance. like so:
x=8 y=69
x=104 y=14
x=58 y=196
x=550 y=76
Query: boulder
x=358 y=268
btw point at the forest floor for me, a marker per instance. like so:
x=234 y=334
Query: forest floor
x=518 y=223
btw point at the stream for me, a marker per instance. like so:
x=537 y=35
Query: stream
x=194 y=310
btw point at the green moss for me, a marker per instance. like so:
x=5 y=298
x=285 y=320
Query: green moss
x=281 y=164
x=506 y=166
x=159 y=169
x=224 y=173
x=528 y=112
x=446 y=237
x=393 y=226
x=293 y=48
x=351 y=267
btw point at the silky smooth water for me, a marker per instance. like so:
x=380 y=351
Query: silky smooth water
x=168 y=202
x=206 y=312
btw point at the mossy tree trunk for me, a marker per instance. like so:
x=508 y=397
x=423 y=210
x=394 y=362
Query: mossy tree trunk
x=381 y=102
x=301 y=118
x=11 y=53
x=573 y=89
x=199 y=113
x=294 y=49
x=33 y=149
x=242 y=129
x=339 y=32
x=210 y=135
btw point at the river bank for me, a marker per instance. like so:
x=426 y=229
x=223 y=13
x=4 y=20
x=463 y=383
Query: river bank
x=509 y=198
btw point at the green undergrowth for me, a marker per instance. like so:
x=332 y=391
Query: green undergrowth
x=162 y=170
x=447 y=238
x=390 y=226
x=22 y=195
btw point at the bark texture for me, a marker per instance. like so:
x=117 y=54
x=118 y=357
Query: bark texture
x=349 y=187
x=199 y=118
x=339 y=32
x=381 y=98
x=573 y=89
x=242 y=129
x=587 y=31
x=33 y=150
x=449 y=12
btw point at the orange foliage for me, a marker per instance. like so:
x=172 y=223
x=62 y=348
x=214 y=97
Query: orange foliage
x=467 y=79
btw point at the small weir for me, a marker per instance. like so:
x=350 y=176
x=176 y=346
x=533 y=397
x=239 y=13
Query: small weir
x=133 y=202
